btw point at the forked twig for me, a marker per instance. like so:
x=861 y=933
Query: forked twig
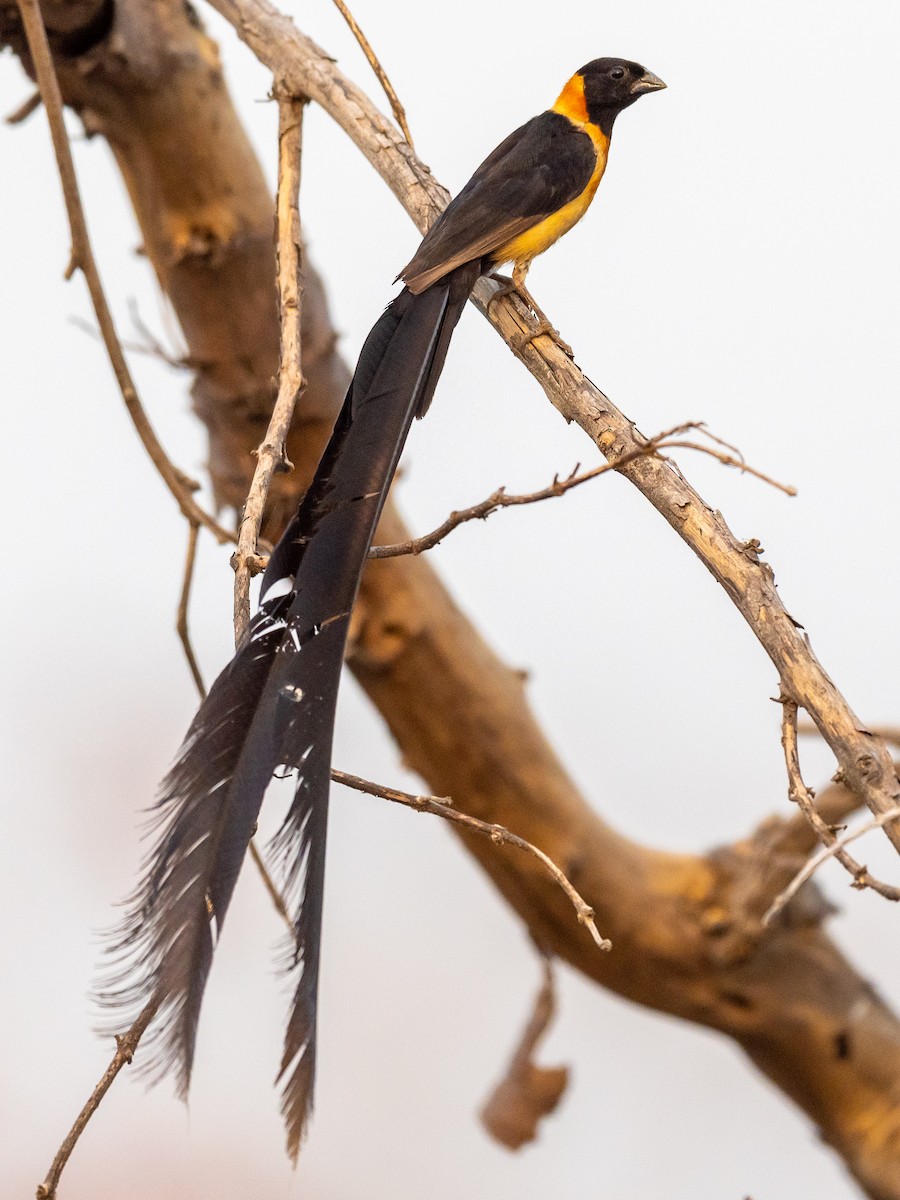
x=271 y=455
x=823 y=856
x=803 y=797
x=499 y=834
x=82 y=258
x=667 y=440
x=393 y=99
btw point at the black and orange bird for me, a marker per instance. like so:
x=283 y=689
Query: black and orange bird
x=273 y=706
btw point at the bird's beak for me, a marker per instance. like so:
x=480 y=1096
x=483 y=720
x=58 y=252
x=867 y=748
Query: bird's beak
x=648 y=82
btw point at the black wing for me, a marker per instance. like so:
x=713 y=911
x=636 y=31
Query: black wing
x=538 y=169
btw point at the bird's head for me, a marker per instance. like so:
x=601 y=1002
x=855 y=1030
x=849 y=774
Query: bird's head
x=611 y=84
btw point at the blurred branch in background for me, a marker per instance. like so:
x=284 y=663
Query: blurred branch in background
x=687 y=929
x=527 y=1092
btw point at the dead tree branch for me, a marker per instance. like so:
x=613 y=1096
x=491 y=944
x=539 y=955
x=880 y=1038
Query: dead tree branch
x=804 y=875
x=527 y=1092
x=805 y=801
x=168 y=117
x=126 y=1044
x=271 y=455
x=864 y=760
x=393 y=99
x=182 y=627
x=667 y=440
x=441 y=807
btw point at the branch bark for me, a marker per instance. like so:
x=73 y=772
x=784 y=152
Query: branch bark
x=687 y=929
x=270 y=454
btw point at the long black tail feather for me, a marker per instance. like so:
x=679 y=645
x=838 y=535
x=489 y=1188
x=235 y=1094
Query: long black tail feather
x=274 y=705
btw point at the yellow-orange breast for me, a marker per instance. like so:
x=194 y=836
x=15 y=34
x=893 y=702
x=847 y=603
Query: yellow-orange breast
x=526 y=246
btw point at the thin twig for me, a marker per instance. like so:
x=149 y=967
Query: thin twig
x=126 y=1044
x=393 y=99
x=441 y=806
x=25 y=109
x=274 y=895
x=181 y=620
x=804 y=798
x=823 y=856
x=271 y=455
x=82 y=258
x=152 y=347
x=728 y=460
x=667 y=440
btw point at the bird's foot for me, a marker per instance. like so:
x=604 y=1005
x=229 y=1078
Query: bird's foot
x=516 y=287
x=543 y=329
x=506 y=288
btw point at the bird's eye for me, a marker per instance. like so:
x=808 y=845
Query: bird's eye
x=617 y=73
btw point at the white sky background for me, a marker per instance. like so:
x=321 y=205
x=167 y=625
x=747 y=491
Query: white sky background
x=738 y=267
